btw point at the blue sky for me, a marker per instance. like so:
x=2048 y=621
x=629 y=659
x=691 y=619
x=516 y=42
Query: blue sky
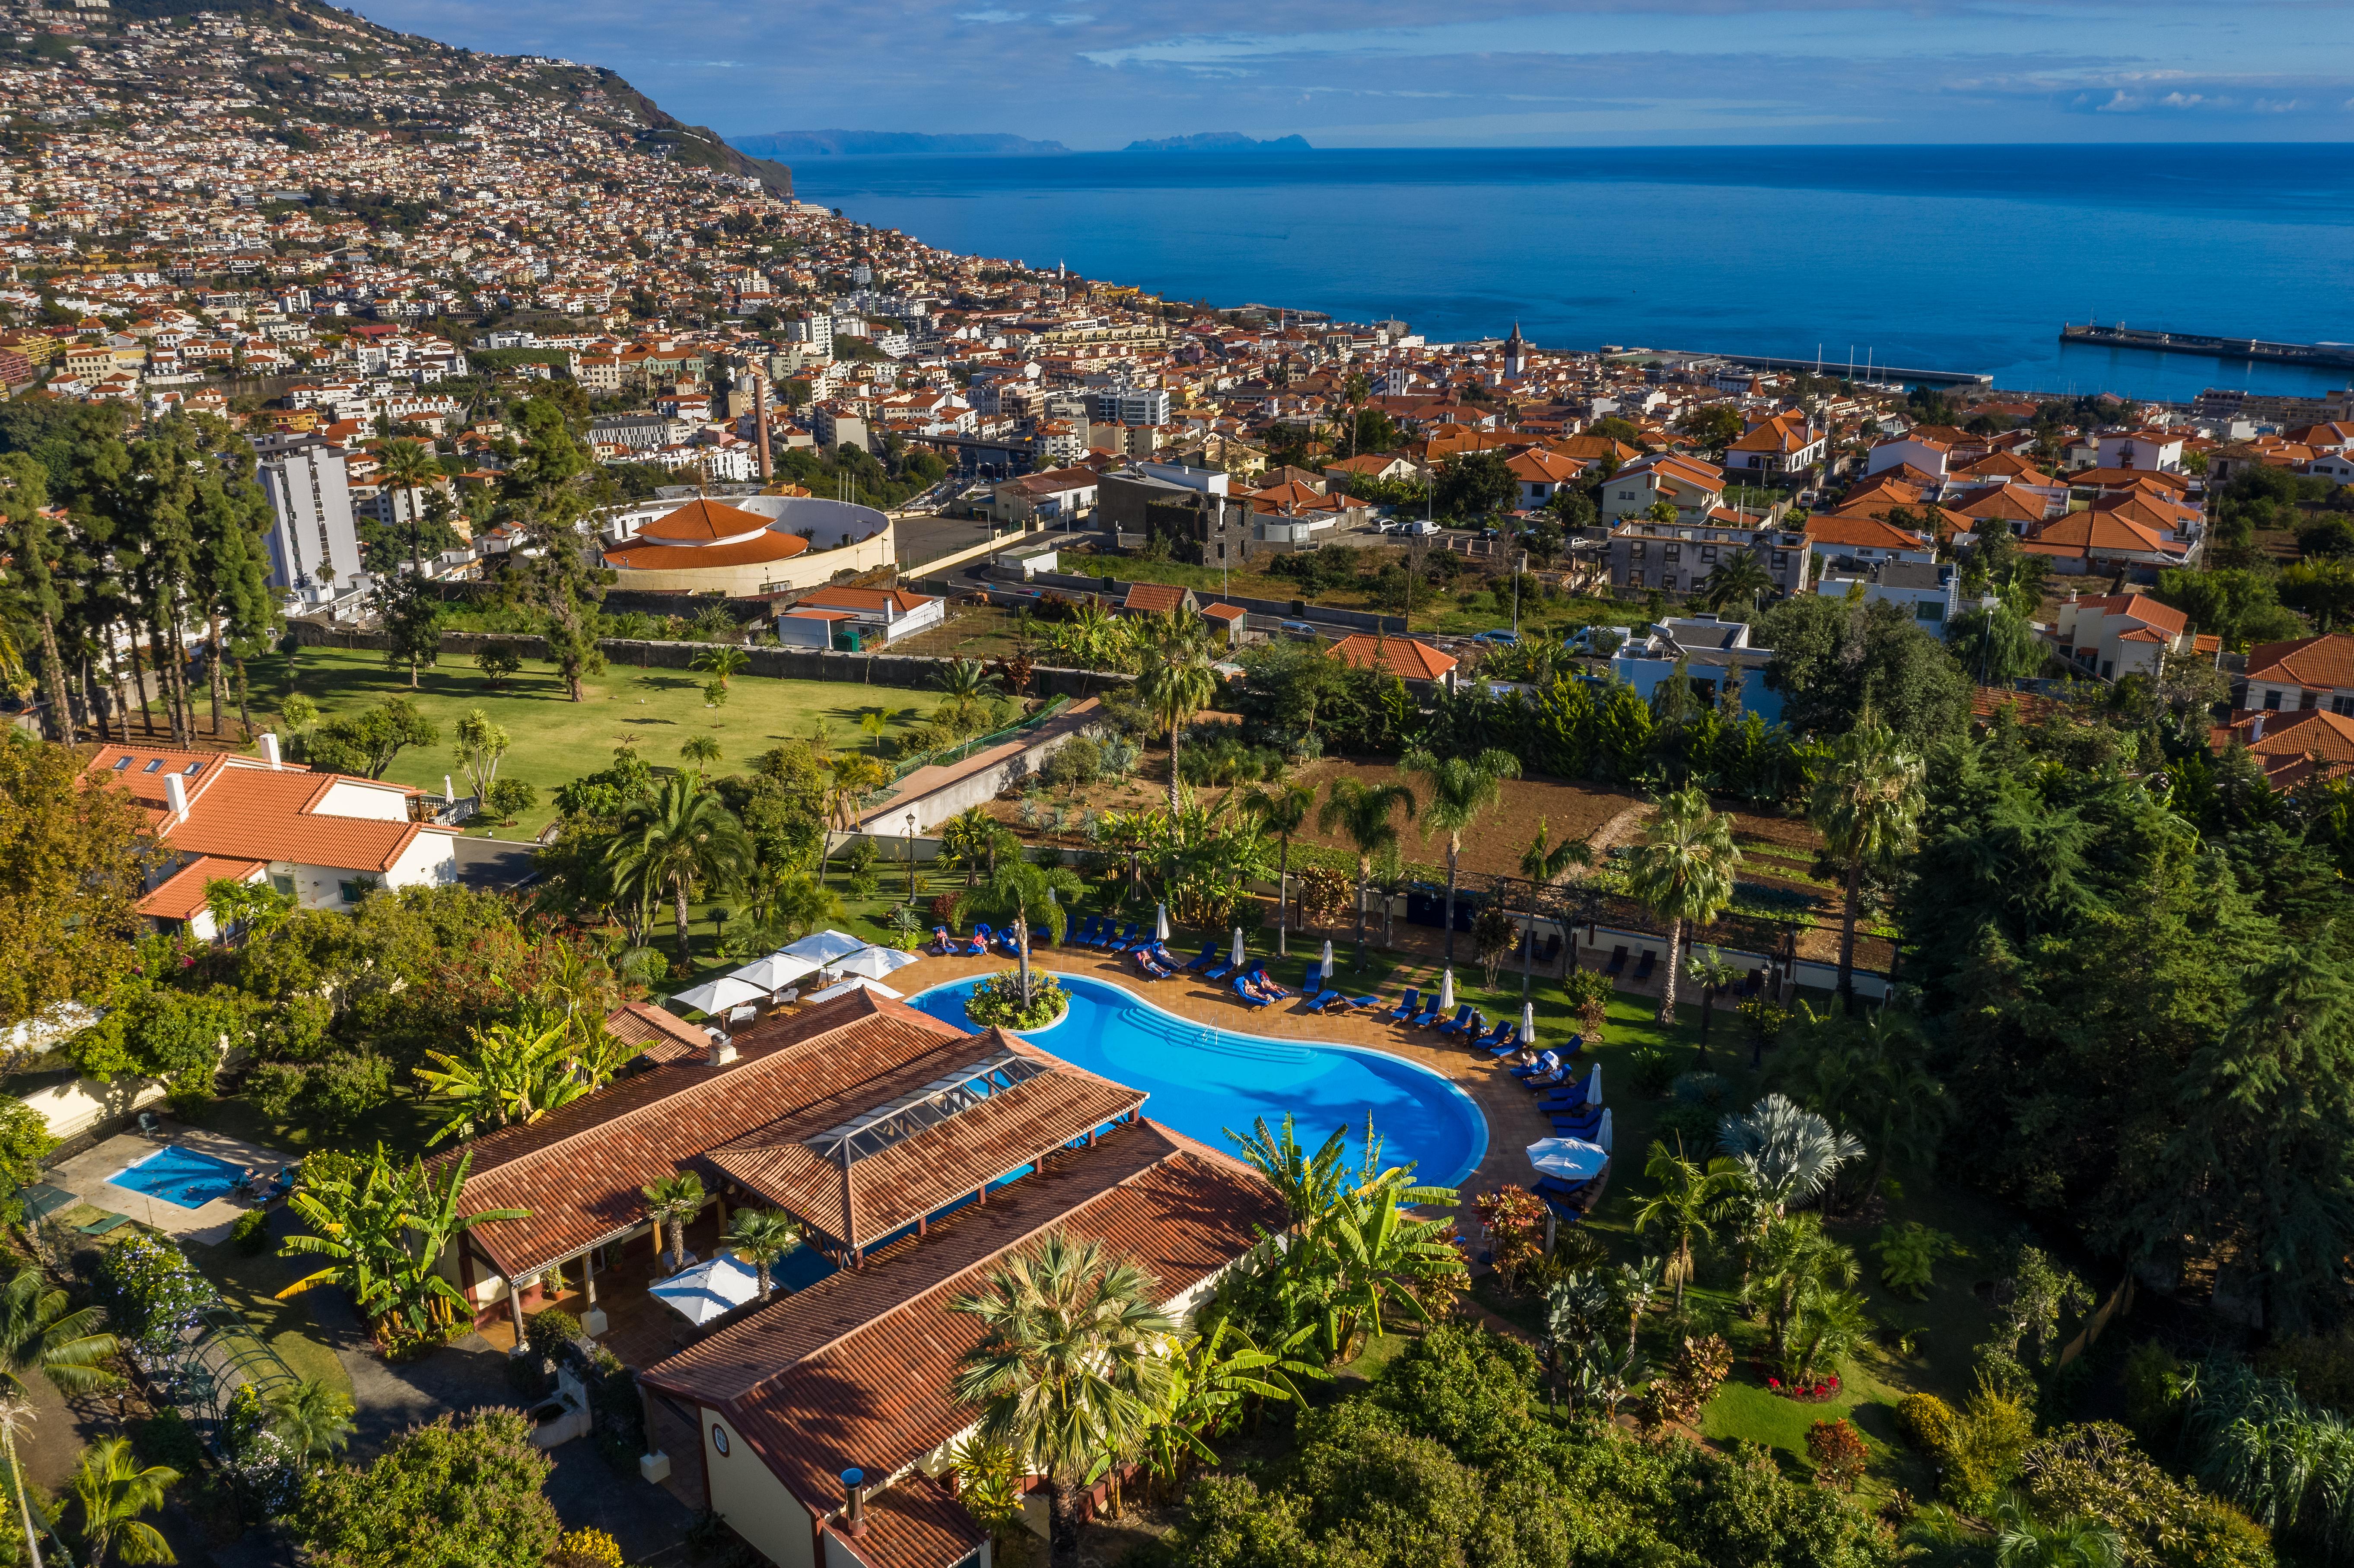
x=1375 y=73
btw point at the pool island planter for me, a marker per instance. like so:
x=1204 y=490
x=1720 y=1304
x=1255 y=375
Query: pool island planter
x=1002 y=1008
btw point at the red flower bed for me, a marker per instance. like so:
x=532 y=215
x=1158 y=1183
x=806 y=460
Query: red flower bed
x=1821 y=1390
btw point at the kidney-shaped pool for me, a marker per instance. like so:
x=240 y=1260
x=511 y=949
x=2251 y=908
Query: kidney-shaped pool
x=1203 y=1080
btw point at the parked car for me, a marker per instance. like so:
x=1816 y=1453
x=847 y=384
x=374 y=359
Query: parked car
x=1419 y=526
x=1500 y=638
x=1302 y=629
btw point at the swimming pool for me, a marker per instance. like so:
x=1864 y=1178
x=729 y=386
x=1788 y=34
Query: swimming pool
x=181 y=1177
x=1203 y=1080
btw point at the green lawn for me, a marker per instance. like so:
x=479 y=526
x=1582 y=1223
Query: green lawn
x=251 y=1285
x=556 y=740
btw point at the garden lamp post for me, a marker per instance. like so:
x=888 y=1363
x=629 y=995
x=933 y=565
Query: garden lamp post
x=911 y=860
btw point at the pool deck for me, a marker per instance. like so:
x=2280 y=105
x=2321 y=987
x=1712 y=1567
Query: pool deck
x=1514 y=1122
x=85 y=1175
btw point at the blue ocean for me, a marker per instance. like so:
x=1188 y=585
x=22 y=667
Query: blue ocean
x=1950 y=258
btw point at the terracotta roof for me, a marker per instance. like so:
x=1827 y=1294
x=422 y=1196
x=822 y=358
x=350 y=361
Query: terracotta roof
x=1841 y=528
x=665 y=1035
x=1223 y=611
x=181 y=894
x=2141 y=607
x=579 y=1169
x=768 y=546
x=2325 y=661
x=2294 y=747
x=856 y=1370
x=705 y=522
x=2093 y=533
x=1157 y=599
x=2004 y=466
x=898 y=600
x=2130 y=478
x=1401 y=656
x=1538 y=466
x=2000 y=501
x=238 y=809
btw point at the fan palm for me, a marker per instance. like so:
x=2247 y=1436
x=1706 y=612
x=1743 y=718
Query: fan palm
x=1283 y=811
x=1364 y=812
x=1866 y=803
x=1789 y=1153
x=315 y=1418
x=1739 y=578
x=1070 y=1366
x=682 y=836
x=761 y=1237
x=670 y=1202
x=1682 y=873
x=1177 y=683
x=111 y=1492
x=1691 y=1200
x=38 y=1332
x=1463 y=790
x=1542 y=863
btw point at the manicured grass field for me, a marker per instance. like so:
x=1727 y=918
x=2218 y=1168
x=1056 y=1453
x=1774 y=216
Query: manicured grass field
x=556 y=740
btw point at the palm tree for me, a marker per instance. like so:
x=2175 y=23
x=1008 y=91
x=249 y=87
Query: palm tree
x=966 y=841
x=1283 y=811
x=1018 y=890
x=1634 y=1285
x=113 y=1493
x=761 y=1237
x=1177 y=683
x=720 y=660
x=679 y=838
x=1828 y=1325
x=703 y=750
x=966 y=682
x=1797 y=1256
x=1682 y=873
x=1363 y=811
x=38 y=1332
x=1707 y=970
x=790 y=901
x=874 y=721
x=315 y=1418
x=1738 y=578
x=1866 y=803
x=1689 y=1203
x=16 y=1411
x=1461 y=791
x=2073 y=1542
x=406 y=467
x=1308 y=1184
x=1070 y=1367
x=1790 y=1153
x=672 y=1201
x=1543 y=861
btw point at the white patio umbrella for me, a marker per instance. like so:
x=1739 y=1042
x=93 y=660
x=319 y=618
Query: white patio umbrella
x=1447 y=990
x=716 y=996
x=824 y=946
x=1602 y=1133
x=856 y=983
x=774 y=972
x=1161 y=924
x=1327 y=955
x=875 y=962
x=1568 y=1159
x=1528 y=1023
x=1238 y=947
x=1594 y=1086
x=709 y=1290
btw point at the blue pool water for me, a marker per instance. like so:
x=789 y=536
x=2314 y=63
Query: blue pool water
x=1203 y=1080
x=181 y=1177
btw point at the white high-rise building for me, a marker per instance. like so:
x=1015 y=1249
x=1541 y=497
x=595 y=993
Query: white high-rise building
x=310 y=498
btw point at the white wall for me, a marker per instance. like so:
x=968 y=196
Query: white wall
x=360 y=798
x=430 y=861
x=80 y=1103
x=756 y=1504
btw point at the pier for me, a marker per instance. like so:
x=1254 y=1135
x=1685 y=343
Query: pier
x=2323 y=355
x=1823 y=366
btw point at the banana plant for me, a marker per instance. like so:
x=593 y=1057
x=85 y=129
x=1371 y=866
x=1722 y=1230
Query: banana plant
x=384 y=1232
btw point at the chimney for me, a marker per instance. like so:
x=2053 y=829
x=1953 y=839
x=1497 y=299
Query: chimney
x=853 y=1502
x=176 y=790
x=269 y=751
x=2255 y=730
x=722 y=1050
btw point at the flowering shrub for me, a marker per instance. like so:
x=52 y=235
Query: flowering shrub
x=586 y=1549
x=1514 y=1218
x=266 y=1467
x=998 y=999
x=1813 y=1392
x=150 y=1294
x=1678 y=1394
x=1839 y=1453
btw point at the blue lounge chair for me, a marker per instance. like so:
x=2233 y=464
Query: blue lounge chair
x=1406 y=1005
x=1151 y=967
x=1226 y=969
x=1323 y=1000
x=1618 y=964
x=1504 y=1041
x=1430 y=1014
x=1009 y=941
x=1267 y=985
x=1315 y=980
x=1643 y=969
x=1083 y=932
x=1362 y=1003
x=1209 y=956
x=1548 y=1066
x=1455 y=1025
x=941 y=939
x=1242 y=990
x=982 y=937
x=1125 y=940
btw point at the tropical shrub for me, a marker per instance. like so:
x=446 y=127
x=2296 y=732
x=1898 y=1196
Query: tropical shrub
x=1323 y=894
x=1589 y=992
x=1925 y=1421
x=1839 y=1453
x=998 y=1000
x=151 y=1292
x=550 y=1331
x=1654 y=1071
x=586 y=1549
x=1679 y=1393
x=1514 y=1220
x=250 y=1234
x=1908 y=1252
x=2152 y=1377
x=1765 y=1020
x=1983 y=1445
x=459 y=1492
x=2097 y=1471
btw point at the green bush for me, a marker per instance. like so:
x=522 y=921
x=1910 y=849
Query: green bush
x=2153 y=1403
x=1693 y=1124
x=1925 y=1421
x=1983 y=1446
x=1654 y=1071
x=252 y=1233
x=998 y=1000
x=2096 y=1471
x=2322 y=1366
x=549 y=1331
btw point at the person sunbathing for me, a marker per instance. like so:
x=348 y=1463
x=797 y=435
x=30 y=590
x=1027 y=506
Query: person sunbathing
x=1259 y=984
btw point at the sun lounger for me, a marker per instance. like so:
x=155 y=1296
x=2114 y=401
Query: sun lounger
x=1406 y=1005
x=1224 y=968
x=940 y=939
x=103 y=1224
x=1463 y=1016
x=1323 y=1000
x=1550 y=951
x=1124 y=941
x=979 y=946
x=1209 y=956
x=1265 y=983
x=1362 y=1003
x=1151 y=966
x=1618 y=964
x=1253 y=1003
x=1643 y=969
x=1504 y=1041
x=1430 y=1014
x=1315 y=980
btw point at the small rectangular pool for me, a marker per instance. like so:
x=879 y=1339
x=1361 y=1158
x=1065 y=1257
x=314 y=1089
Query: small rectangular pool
x=181 y=1177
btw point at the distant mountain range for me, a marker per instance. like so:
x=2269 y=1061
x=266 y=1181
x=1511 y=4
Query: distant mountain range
x=984 y=145
x=1219 y=141
x=890 y=144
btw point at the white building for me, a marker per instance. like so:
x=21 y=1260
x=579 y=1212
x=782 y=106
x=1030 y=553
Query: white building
x=311 y=509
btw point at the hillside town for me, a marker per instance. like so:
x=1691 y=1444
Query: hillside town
x=684 y=882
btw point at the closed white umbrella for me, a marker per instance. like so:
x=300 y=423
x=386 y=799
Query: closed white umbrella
x=1327 y=955
x=824 y=946
x=716 y=996
x=1161 y=924
x=1447 y=990
x=775 y=971
x=708 y=1290
x=1528 y=1023
x=856 y=983
x=875 y=962
x=1568 y=1159
x=1238 y=947
x=1602 y=1133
